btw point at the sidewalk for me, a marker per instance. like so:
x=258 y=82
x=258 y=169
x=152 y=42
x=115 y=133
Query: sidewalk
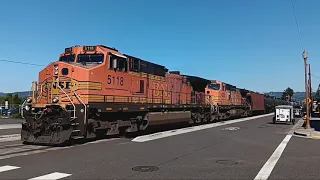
x=313 y=133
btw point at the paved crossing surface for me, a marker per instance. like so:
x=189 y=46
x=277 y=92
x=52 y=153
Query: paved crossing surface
x=53 y=175
x=243 y=149
x=11 y=146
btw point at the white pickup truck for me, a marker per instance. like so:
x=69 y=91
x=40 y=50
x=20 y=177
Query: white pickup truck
x=284 y=113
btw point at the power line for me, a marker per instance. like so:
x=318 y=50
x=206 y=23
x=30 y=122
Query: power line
x=295 y=17
x=317 y=77
x=18 y=62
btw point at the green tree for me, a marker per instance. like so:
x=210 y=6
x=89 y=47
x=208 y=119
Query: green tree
x=13 y=100
x=16 y=99
x=287 y=94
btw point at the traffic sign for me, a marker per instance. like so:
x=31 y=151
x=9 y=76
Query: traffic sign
x=309 y=100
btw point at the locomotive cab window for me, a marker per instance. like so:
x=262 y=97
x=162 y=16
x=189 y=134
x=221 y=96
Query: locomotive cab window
x=91 y=58
x=67 y=58
x=134 y=65
x=214 y=87
x=118 y=63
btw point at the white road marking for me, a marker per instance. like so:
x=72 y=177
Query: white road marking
x=267 y=168
x=231 y=129
x=164 y=134
x=101 y=141
x=10 y=126
x=55 y=175
x=125 y=143
x=8 y=168
x=10 y=137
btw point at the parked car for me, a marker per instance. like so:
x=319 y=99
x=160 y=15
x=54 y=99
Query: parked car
x=297 y=111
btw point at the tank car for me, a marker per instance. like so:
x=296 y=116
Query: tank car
x=97 y=90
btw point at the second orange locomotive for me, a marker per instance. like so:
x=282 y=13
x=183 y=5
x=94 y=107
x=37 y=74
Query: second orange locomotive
x=96 y=90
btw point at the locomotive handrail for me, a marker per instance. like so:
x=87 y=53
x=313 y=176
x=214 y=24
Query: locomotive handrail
x=188 y=98
x=85 y=108
x=249 y=105
x=211 y=104
x=22 y=106
x=74 y=107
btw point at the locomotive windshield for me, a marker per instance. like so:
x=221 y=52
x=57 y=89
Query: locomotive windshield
x=67 y=58
x=214 y=86
x=90 y=58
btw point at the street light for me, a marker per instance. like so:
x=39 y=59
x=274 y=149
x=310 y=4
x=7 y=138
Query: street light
x=305 y=58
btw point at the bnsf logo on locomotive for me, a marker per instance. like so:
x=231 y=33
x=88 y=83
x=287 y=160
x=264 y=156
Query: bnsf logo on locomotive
x=159 y=89
x=63 y=85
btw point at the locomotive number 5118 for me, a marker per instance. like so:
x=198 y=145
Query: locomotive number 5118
x=115 y=80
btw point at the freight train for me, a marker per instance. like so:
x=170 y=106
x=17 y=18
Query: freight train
x=97 y=90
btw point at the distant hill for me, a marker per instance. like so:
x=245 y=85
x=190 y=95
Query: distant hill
x=20 y=94
x=300 y=96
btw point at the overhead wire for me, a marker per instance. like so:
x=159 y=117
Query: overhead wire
x=316 y=77
x=297 y=25
x=18 y=62
x=299 y=34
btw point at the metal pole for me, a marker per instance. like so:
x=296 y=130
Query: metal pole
x=310 y=87
x=310 y=90
x=305 y=58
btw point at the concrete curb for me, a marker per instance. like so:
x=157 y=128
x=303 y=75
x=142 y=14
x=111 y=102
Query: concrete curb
x=300 y=134
x=309 y=134
x=298 y=126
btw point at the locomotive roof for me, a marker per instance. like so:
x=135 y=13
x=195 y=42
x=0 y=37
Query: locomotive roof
x=196 y=78
x=144 y=60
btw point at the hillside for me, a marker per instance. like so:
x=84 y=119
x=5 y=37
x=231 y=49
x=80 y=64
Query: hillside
x=20 y=94
x=299 y=96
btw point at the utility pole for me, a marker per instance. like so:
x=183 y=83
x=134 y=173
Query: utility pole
x=310 y=87
x=310 y=90
x=305 y=58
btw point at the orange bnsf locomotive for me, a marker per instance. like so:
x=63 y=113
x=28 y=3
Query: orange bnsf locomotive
x=96 y=90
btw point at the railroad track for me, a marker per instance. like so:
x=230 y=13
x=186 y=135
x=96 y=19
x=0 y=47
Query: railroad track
x=15 y=149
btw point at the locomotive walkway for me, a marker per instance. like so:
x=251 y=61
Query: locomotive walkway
x=239 y=149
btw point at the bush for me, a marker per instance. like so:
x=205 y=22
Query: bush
x=17 y=116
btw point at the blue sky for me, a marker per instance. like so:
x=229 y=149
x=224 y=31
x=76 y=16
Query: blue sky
x=250 y=44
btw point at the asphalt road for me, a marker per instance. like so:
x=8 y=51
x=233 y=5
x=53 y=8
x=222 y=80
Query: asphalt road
x=214 y=153
x=10 y=121
x=9 y=126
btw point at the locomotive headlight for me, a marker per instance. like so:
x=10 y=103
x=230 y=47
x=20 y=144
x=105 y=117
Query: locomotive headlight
x=27 y=107
x=29 y=100
x=56 y=69
x=55 y=99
